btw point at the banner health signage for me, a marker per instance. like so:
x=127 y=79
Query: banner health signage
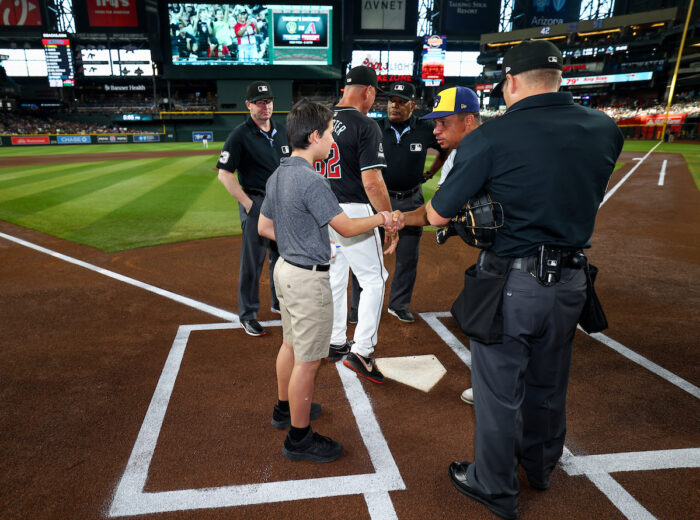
x=198 y=137
x=74 y=139
x=537 y=13
x=470 y=17
x=110 y=139
x=148 y=138
x=383 y=15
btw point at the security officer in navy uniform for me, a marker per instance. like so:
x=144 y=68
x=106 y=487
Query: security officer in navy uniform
x=548 y=162
x=406 y=141
x=253 y=149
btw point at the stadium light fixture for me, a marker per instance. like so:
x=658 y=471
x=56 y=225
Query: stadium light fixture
x=606 y=31
x=552 y=38
x=502 y=44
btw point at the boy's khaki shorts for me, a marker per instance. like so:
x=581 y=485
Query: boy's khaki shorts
x=306 y=305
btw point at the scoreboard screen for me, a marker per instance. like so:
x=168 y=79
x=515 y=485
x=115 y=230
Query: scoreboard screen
x=59 y=60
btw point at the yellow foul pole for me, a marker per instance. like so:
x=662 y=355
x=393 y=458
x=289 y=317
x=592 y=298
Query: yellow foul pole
x=675 y=72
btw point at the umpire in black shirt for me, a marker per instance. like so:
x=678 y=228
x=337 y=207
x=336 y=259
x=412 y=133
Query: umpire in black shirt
x=253 y=149
x=548 y=162
x=406 y=140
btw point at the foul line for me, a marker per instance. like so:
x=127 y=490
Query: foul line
x=615 y=188
x=209 y=309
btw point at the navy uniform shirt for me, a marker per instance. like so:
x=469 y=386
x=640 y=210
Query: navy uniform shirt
x=405 y=152
x=357 y=147
x=547 y=161
x=254 y=153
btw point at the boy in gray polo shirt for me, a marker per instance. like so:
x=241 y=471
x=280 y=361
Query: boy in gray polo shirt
x=298 y=207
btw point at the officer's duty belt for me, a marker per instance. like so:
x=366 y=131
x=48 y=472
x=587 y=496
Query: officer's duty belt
x=400 y=195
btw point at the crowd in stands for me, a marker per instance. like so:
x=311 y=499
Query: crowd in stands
x=18 y=123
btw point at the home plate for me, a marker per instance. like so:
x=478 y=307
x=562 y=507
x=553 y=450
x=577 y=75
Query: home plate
x=421 y=372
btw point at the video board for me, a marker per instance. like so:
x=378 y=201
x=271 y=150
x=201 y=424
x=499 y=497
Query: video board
x=23 y=63
x=247 y=34
x=59 y=60
x=116 y=62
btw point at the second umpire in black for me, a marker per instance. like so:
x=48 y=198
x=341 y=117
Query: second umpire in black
x=253 y=149
x=406 y=140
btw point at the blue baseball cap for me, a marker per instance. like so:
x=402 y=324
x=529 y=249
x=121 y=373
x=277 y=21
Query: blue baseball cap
x=453 y=101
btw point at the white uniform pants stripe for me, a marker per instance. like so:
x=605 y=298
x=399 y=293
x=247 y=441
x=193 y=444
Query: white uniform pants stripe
x=363 y=254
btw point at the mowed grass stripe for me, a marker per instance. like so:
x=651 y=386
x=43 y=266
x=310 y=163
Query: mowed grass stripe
x=58 y=191
x=213 y=214
x=77 y=173
x=147 y=219
x=80 y=212
x=23 y=175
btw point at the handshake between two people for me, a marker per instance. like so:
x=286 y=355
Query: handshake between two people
x=394 y=221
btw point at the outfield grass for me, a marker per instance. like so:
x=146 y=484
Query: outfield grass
x=117 y=205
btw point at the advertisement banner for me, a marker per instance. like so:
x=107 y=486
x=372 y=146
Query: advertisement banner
x=111 y=139
x=22 y=13
x=37 y=139
x=381 y=16
x=470 y=17
x=541 y=13
x=74 y=139
x=198 y=137
x=433 y=66
x=148 y=138
x=610 y=78
x=112 y=13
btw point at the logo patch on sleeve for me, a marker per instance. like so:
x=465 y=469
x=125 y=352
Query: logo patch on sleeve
x=285 y=149
x=416 y=147
x=223 y=158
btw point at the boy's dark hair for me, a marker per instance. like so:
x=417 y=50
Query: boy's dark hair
x=305 y=117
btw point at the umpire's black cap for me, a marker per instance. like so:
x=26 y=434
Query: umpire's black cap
x=362 y=75
x=402 y=89
x=258 y=90
x=529 y=55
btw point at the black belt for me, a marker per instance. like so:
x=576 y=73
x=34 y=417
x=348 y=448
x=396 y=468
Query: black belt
x=317 y=267
x=400 y=195
x=253 y=191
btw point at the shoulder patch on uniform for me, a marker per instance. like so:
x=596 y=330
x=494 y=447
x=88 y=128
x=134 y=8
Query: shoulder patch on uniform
x=223 y=158
x=285 y=149
x=381 y=148
x=416 y=147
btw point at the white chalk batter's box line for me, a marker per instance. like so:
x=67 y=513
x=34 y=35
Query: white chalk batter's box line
x=598 y=467
x=130 y=498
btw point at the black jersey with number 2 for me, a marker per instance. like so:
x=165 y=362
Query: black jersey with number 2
x=357 y=147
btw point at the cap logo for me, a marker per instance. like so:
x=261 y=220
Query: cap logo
x=552 y=59
x=349 y=80
x=262 y=88
x=437 y=101
x=399 y=87
x=507 y=70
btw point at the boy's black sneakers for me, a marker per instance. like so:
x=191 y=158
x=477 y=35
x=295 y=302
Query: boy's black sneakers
x=336 y=352
x=313 y=447
x=282 y=419
x=365 y=366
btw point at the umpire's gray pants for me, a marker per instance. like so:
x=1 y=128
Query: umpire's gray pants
x=253 y=251
x=520 y=385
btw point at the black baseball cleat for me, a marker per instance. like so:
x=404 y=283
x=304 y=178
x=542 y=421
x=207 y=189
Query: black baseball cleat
x=283 y=420
x=313 y=447
x=458 y=476
x=364 y=366
x=404 y=315
x=336 y=352
x=253 y=328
